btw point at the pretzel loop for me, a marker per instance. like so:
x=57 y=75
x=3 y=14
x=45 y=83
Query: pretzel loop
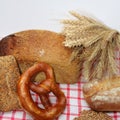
x=43 y=89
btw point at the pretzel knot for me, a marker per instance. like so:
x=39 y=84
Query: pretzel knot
x=25 y=84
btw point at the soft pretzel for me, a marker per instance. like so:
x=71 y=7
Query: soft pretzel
x=50 y=111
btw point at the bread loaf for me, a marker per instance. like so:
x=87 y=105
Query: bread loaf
x=103 y=95
x=33 y=46
x=9 y=74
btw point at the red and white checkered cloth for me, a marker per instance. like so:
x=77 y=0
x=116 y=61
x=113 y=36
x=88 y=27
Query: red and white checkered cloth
x=75 y=103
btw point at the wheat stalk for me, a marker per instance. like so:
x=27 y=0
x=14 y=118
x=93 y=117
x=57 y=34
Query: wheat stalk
x=92 y=42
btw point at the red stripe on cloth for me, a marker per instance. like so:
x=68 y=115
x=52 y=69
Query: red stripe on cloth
x=79 y=97
x=68 y=102
x=1 y=115
x=13 y=115
x=115 y=116
x=24 y=116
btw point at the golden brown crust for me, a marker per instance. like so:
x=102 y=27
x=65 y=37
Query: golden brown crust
x=9 y=74
x=103 y=95
x=38 y=45
x=43 y=89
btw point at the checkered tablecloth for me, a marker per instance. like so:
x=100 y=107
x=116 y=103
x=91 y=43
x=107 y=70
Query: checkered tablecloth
x=75 y=103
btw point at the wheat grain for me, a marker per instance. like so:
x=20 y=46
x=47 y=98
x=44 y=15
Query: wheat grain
x=92 y=42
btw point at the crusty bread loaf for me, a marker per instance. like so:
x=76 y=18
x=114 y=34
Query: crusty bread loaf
x=33 y=46
x=9 y=74
x=103 y=95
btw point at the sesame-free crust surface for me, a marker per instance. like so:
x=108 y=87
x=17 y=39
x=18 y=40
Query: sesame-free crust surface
x=33 y=46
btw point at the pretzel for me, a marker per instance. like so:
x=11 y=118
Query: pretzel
x=25 y=84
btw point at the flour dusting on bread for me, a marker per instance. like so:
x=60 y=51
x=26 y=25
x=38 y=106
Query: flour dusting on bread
x=103 y=96
x=107 y=96
x=42 y=52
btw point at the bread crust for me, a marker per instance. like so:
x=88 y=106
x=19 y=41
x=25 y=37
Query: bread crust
x=9 y=74
x=103 y=95
x=33 y=46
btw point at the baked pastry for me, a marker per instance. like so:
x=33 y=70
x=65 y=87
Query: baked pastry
x=92 y=115
x=103 y=95
x=15 y=90
x=48 y=111
x=33 y=46
x=9 y=74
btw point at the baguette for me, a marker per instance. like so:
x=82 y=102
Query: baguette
x=103 y=95
x=33 y=46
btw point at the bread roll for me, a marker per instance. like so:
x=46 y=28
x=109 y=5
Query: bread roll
x=103 y=95
x=9 y=74
x=33 y=46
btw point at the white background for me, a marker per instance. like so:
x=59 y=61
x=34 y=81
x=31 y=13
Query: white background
x=18 y=15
